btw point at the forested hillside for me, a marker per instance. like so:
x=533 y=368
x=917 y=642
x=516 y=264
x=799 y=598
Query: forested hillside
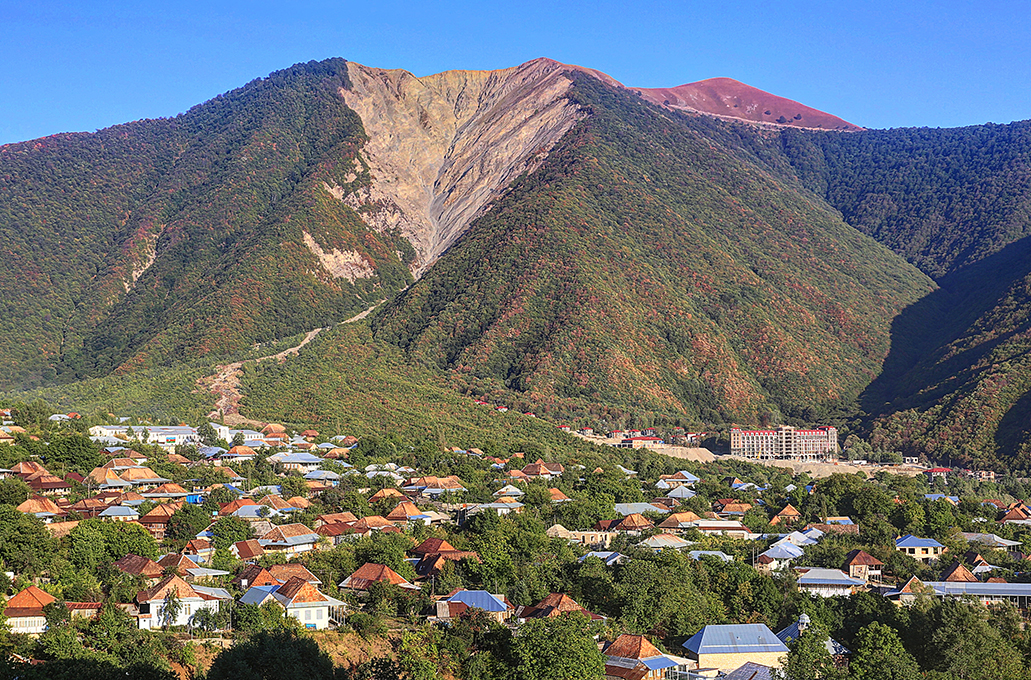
x=957 y=203
x=165 y=240
x=656 y=262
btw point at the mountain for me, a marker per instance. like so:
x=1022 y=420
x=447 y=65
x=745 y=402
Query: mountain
x=544 y=235
x=728 y=98
x=162 y=240
x=656 y=261
x=956 y=203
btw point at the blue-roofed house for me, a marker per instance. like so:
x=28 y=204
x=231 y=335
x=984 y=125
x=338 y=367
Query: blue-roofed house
x=923 y=549
x=301 y=600
x=608 y=558
x=456 y=604
x=633 y=657
x=792 y=632
x=718 y=554
x=327 y=477
x=301 y=460
x=726 y=647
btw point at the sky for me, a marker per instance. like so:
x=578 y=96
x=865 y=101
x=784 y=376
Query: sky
x=81 y=66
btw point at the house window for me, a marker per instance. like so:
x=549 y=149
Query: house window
x=318 y=614
x=307 y=615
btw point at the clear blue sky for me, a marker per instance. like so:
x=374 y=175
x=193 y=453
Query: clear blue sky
x=70 y=66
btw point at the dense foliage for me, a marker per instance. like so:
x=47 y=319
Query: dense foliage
x=650 y=263
x=954 y=202
x=163 y=240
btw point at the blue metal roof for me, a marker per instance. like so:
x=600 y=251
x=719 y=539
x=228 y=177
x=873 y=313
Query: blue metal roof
x=745 y=638
x=791 y=633
x=911 y=541
x=657 y=662
x=257 y=594
x=480 y=599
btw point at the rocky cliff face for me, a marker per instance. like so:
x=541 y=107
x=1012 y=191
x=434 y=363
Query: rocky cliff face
x=442 y=147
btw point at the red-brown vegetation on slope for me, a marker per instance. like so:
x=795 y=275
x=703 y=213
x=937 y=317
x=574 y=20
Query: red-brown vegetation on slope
x=728 y=97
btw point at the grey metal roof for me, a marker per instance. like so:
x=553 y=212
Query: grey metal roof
x=631 y=508
x=980 y=589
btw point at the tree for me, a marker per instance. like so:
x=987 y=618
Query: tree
x=879 y=655
x=809 y=657
x=14 y=491
x=187 y=522
x=238 y=439
x=171 y=607
x=558 y=648
x=207 y=434
x=229 y=530
x=272 y=656
x=293 y=485
x=25 y=544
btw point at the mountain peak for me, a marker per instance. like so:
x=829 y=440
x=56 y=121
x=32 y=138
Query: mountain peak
x=733 y=99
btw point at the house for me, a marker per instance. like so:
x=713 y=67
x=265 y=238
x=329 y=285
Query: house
x=151 y=602
x=679 y=521
x=638 y=508
x=541 y=470
x=633 y=524
x=608 y=558
x=289 y=538
x=247 y=550
x=862 y=565
x=557 y=496
x=433 y=553
x=727 y=647
x=135 y=565
x=682 y=478
x=335 y=518
x=923 y=549
x=837 y=650
x=404 y=513
x=633 y=657
x=301 y=461
x=156 y=521
x=253 y=575
x=658 y=542
x=717 y=554
x=723 y=527
x=370 y=573
x=285 y=572
x=788 y=516
x=384 y=493
x=937 y=473
x=301 y=600
x=828 y=582
x=750 y=671
x=593 y=539
x=435 y=486
x=41 y=507
x=142 y=477
x=957 y=573
x=553 y=605
x=24 y=611
x=458 y=602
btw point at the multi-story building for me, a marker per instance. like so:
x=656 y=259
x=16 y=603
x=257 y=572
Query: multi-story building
x=784 y=442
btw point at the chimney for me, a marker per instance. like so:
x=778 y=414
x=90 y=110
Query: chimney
x=803 y=622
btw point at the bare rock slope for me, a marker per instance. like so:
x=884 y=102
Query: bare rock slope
x=442 y=147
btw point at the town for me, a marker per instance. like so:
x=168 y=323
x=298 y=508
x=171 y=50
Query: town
x=190 y=544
